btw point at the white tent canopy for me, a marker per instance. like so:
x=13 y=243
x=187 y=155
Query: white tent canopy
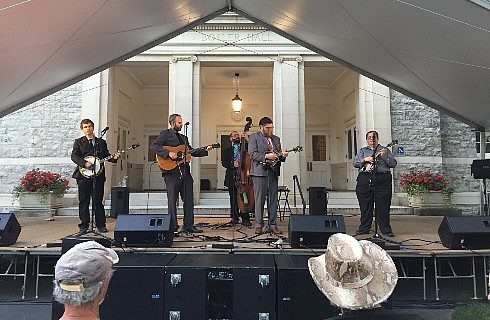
x=437 y=52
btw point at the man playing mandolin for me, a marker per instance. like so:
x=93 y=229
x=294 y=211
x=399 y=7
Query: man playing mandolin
x=374 y=184
x=83 y=147
x=178 y=179
x=265 y=151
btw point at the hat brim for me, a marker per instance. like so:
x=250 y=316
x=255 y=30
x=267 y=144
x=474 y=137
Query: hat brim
x=385 y=277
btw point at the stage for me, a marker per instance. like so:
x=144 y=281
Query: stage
x=427 y=270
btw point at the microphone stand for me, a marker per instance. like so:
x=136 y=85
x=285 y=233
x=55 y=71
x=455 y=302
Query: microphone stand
x=92 y=228
x=183 y=171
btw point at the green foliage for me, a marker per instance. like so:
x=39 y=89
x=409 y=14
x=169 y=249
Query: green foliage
x=472 y=311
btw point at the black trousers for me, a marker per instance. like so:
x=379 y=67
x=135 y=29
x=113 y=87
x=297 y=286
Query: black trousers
x=85 y=187
x=368 y=189
x=234 y=211
x=183 y=185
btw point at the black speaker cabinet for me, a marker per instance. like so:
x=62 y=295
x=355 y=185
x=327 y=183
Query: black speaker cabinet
x=313 y=231
x=297 y=295
x=480 y=169
x=317 y=197
x=119 y=201
x=143 y=230
x=9 y=229
x=220 y=286
x=465 y=232
x=68 y=242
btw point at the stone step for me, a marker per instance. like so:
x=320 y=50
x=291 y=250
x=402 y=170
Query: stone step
x=222 y=199
x=205 y=210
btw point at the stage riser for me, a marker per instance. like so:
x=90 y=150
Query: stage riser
x=211 y=286
x=141 y=287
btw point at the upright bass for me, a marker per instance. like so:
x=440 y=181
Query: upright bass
x=244 y=183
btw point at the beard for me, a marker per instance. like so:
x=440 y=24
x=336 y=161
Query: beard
x=236 y=141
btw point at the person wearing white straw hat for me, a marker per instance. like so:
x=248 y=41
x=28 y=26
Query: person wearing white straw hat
x=356 y=276
x=81 y=279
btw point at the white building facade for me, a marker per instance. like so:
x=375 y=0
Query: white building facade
x=314 y=103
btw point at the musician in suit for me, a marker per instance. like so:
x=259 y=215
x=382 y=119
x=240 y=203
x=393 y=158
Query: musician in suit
x=374 y=184
x=231 y=160
x=89 y=145
x=263 y=146
x=178 y=180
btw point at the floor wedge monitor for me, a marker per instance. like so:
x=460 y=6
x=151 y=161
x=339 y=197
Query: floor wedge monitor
x=9 y=229
x=143 y=230
x=471 y=232
x=307 y=231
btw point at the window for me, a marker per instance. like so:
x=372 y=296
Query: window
x=319 y=147
x=487 y=145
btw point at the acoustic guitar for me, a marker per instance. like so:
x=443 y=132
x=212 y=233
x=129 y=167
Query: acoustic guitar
x=167 y=164
x=97 y=163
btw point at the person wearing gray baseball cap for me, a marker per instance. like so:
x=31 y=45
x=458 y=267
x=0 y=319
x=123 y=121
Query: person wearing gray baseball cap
x=81 y=278
x=357 y=276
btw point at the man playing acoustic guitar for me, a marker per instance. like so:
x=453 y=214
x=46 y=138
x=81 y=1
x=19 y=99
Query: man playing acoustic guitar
x=178 y=180
x=83 y=147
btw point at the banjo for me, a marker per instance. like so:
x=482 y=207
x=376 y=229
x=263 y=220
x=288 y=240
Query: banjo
x=97 y=163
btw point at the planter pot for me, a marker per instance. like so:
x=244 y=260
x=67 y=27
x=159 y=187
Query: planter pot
x=430 y=200
x=34 y=201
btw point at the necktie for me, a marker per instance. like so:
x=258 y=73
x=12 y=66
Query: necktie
x=91 y=141
x=269 y=142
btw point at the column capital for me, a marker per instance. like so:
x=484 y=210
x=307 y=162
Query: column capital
x=282 y=59
x=175 y=59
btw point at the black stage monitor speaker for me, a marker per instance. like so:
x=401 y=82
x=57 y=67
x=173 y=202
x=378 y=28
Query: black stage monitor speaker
x=9 y=229
x=119 y=201
x=317 y=200
x=313 y=231
x=465 y=232
x=480 y=169
x=143 y=230
x=69 y=242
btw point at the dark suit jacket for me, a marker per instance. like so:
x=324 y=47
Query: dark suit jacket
x=227 y=162
x=257 y=148
x=170 y=138
x=82 y=148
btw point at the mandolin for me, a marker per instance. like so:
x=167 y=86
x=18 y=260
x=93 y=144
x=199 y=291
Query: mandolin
x=167 y=164
x=97 y=163
x=368 y=168
x=271 y=163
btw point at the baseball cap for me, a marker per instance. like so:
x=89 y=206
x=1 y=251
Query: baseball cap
x=84 y=265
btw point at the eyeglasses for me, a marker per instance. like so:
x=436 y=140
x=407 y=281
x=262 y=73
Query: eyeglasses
x=269 y=127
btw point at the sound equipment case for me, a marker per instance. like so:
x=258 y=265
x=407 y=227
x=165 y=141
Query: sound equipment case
x=220 y=286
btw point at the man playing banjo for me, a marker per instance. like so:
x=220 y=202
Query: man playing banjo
x=84 y=148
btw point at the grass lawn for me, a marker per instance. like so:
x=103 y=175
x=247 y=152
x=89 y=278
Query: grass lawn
x=472 y=311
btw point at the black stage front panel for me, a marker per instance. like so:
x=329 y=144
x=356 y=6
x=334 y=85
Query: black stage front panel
x=297 y=295
x=135 y=290
x=220 y=286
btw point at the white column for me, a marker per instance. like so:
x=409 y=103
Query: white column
x=373 y=111
x=289 y=114
x=184 y=99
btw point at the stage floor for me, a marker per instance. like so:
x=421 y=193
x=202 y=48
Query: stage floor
x=417 y=235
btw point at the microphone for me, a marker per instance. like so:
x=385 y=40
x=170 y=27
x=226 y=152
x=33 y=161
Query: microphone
x=105 y=130
x=186 y=124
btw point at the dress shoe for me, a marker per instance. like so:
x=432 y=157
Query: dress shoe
x=176 y=228
x=82 y=231
x=275 y=230
x=102 y=229
x=389 y=234
x=258 y=230
x=192 y=229
x=358 y=232
x=246 y=223
x=234 y=221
